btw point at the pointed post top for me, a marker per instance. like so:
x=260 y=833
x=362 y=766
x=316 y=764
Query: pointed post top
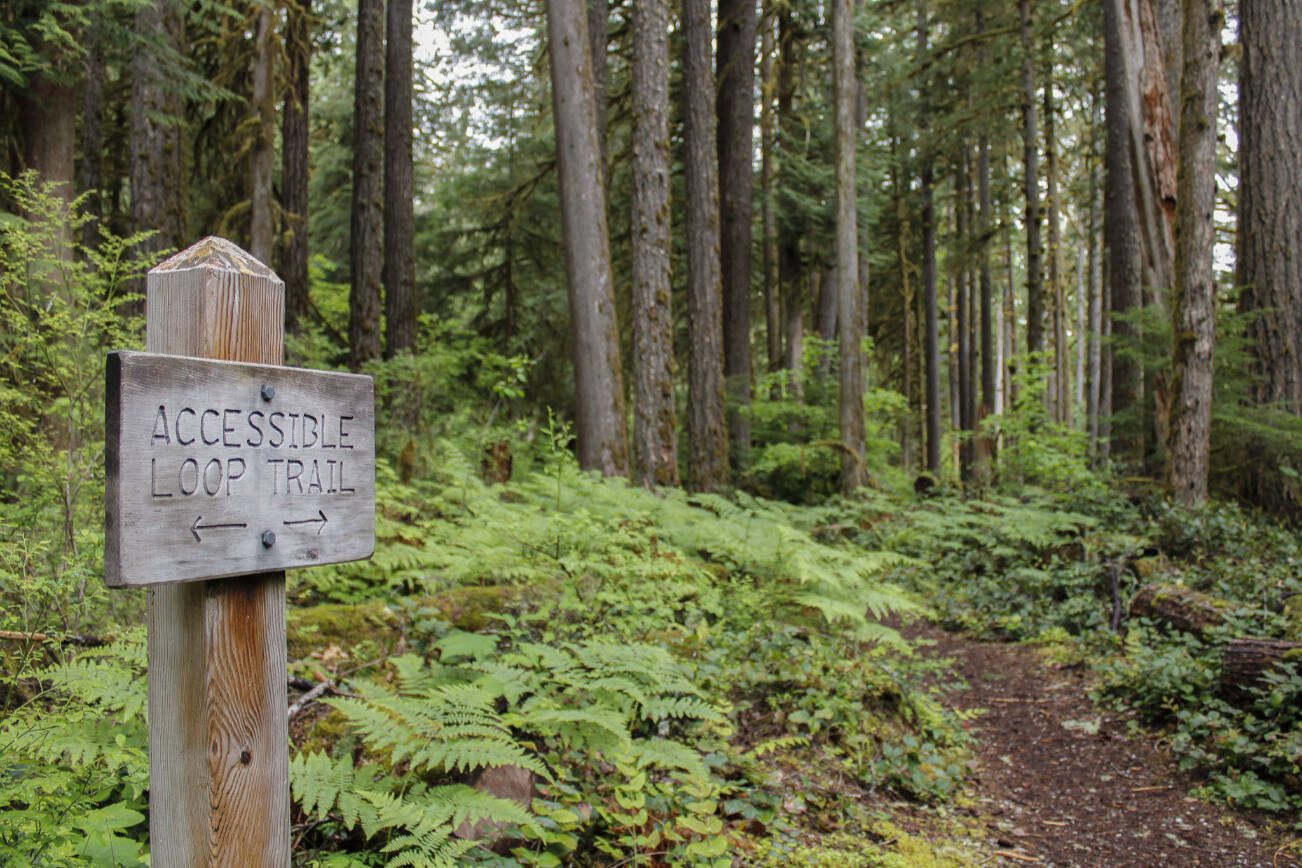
x=217 y=254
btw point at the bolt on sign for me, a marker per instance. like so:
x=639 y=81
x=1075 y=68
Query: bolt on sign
x=222 y=469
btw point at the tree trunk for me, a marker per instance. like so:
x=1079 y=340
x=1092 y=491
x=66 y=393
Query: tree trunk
x=294 y=161
x=706 y=422
x=931 y=317
x=850 y=325
x=1169 y=18
x=1270 y=185
x=790 y=277
x=962 y=323
x=91 y=176
x=262 y=154
x=1031 y=187
x=736 y=104
x=366 y=224
x=655 y=430
x=1193 y=303
x=157 y=188
x=768 y=187
x=1120 y=223
x=1056 y=290
x=598 y=378
x=598 y=34
x=399 y=218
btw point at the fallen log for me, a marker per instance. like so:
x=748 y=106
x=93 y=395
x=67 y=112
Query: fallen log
x=1246 y=662
x=1180 y=607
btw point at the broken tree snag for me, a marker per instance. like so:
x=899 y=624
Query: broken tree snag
x=1179 y=607
x=1246 y=662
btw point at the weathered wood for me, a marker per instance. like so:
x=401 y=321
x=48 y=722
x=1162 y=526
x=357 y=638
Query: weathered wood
x=1246 y=661
x=218 y=746
x=1181 y=607
x=218 y=469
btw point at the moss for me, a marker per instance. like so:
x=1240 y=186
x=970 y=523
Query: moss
x=345 y=625
x=385 y=625
x=468 y=608
x=1293 y=617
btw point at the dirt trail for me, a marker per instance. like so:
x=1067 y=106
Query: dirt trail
x=1062 y=785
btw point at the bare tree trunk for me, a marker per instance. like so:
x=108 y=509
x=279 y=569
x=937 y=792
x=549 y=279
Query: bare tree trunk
x=790 y=277
x=367 y=221
x=598 y=378
x=655 y=429
x=598 y=36
x=1193 y=304
x=736 y=104
x=1270 y=185
x=262 y=155
x=1057 y=292
x=1031 y=187
x=768 y=187
x=1169 y=18
x=1094 y=333
x=157 y=188
x=399 y=217
x=294 y=161
x=849 y=330
x=706 y=420
x=931 y=342
x=962 y=322
x=91 y=177
x=1121 y=224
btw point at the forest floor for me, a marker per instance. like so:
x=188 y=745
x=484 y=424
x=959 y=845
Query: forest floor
x=1059 y=781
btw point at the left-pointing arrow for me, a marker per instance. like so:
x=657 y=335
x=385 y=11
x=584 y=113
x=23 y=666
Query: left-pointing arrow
x=196 y=527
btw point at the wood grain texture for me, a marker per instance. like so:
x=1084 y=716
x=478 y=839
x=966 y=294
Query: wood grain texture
x=201 y=464
x=218 y=737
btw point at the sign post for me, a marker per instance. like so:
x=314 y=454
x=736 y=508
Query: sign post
x=202 y=484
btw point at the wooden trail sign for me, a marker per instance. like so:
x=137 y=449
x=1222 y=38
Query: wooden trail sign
x=218 y=723
x=219 y=469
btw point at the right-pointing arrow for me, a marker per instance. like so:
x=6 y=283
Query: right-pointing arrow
x=319 y=520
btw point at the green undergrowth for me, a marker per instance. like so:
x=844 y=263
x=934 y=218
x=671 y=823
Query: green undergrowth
x=1061 y=570
x=646 y=656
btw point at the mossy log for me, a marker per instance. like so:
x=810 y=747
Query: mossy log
x=1180 y=607
x=1246 y=662
x=1293 y=617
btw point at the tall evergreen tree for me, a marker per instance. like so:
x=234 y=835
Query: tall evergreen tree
x=655 y=429
x=706 y=422
x=598 y=378
x=736 y=107
x=1193 y=303
x=850 y=324
x=399 y=270
x=1270 y=198
x=294 y=159
x=366 y=251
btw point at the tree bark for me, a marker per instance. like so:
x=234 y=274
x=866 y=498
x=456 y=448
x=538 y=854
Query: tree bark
x=1031 y=186
x=598 y=378
x=399 y=272
x=262 y=154
x=1056 y=290
x=1193 y=303
x=598 y=35
x=294 y=161
x=791 y=44
x=931 y=340
x=850 y=325
x=1244 y=662
x=157 y=188
x=366 y=225
x=736 y=104
x=91 y=176
x=962 y=322
x=1120 y=223
x=706 y=419
x=1180 y=607
x=655 y=429
x=1270 y=197
x=768 y=187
